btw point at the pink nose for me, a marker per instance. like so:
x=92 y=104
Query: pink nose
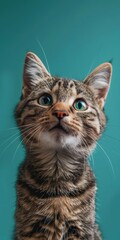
x=60 y=114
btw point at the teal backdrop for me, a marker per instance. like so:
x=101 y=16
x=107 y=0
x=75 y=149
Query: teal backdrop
x=75 y=36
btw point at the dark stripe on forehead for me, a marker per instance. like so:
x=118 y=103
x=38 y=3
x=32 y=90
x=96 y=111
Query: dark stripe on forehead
x=65 y=83
x=56 y=80
x=78 y=85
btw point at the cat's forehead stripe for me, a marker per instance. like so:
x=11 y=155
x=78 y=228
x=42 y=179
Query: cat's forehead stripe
x=67 y=88
x=65 y=85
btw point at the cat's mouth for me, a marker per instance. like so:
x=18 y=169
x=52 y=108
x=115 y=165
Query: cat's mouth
x=59 y=127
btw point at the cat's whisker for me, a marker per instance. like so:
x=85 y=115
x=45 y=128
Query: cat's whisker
x=41 y=120
x=111 y=137
x=109 y=125
x=20 y=126
x=25 y=131
x=31 y=135
x=107 y=157
x=44 y=55
x=75 y=129
x=90 y=155
x=89 y=152
x=38 y=129
x=32 y=124
x=7 y=140
x=9 y=145
x=11 y=128
x=89 y=70
x=76 y=123
x=18 y=132
x=17 y=149
x=110 y=162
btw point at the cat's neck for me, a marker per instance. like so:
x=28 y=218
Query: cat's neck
x=56 y=172
x=64 y=163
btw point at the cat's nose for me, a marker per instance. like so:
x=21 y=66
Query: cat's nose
x=60 y=114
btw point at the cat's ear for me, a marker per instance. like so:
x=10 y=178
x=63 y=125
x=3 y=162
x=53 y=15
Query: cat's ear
x=34 y=72
x=99 y=81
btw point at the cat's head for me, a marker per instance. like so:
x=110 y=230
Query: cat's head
x=59 y=112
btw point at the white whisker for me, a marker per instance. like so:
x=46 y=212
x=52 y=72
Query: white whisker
x=31 y=135
x=7 y=140
x=107 y=158
x=88 y=149
x=8 y=145
x=23 y=132
x=44 y=54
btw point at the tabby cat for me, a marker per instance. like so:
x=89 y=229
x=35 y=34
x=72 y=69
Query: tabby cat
x=60 y=121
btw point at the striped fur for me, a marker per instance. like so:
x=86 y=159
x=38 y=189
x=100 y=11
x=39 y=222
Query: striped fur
x=56 y=187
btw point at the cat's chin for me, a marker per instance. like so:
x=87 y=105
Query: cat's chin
x=59 y=139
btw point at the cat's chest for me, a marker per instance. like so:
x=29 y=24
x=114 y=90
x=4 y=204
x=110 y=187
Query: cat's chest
x=62 y=208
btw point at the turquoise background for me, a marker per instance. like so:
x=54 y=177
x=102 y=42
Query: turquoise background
x=77 y=36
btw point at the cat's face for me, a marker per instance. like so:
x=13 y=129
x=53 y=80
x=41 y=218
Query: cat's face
x=58 y=112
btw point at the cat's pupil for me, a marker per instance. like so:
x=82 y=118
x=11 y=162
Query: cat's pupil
x=80 y=105
x=45 y=100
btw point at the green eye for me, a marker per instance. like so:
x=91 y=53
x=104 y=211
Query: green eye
x=45 y=100
x=80 y=105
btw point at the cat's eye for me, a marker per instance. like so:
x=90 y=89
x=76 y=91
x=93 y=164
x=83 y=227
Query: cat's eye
x=45 y=100
x=80 y=105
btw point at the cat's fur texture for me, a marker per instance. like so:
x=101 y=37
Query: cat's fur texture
x=60 y=121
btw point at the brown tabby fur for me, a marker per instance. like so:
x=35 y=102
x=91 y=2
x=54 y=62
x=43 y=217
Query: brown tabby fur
x=56 y=186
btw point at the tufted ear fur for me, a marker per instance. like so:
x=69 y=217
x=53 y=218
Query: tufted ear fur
x=34 y=72
x=99 y=82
